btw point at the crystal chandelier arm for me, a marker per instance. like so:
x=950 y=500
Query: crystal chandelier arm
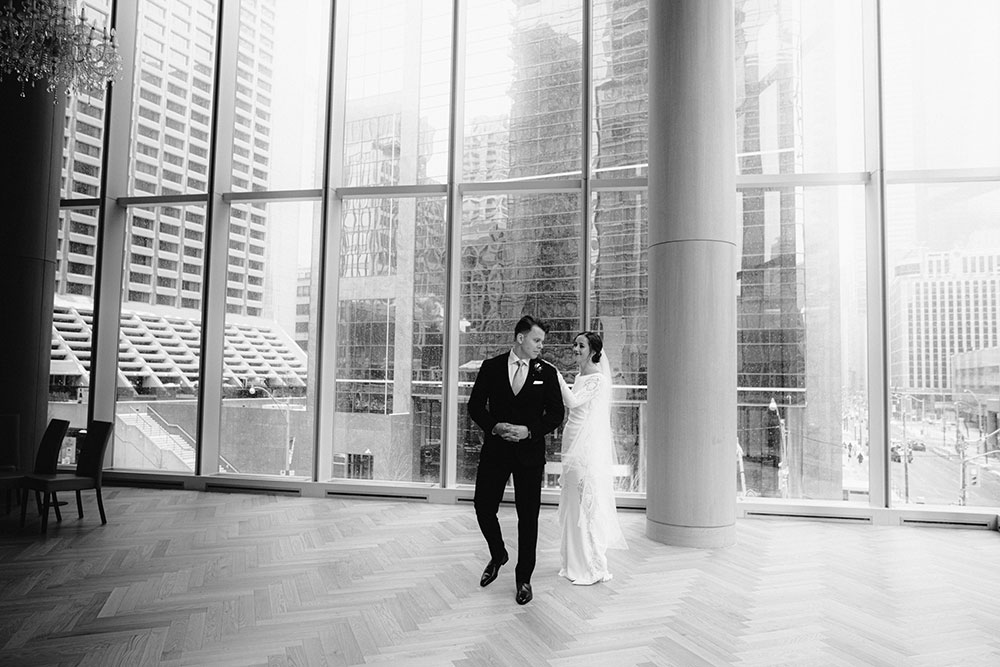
x=44 y=40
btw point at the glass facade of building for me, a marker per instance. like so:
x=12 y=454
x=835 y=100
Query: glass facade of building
x=374 y=198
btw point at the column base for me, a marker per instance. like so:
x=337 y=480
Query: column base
x=699 y=537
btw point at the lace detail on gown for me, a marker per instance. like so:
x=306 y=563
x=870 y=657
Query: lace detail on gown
x=587 y=514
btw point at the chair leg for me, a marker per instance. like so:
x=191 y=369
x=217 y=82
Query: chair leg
x=49 y=497
x=79 y=504
x=100 y=505
x=55 y=504
x=24 y=505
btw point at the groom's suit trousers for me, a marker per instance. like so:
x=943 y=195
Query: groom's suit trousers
x=490 y=482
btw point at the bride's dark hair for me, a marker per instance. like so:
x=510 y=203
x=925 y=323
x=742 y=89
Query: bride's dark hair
x=595 y=343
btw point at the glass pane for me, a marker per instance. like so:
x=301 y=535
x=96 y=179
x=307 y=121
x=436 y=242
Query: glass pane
x=942 y=84
x=280 y=82
x=619 y=300
x=620 y=96
x=801 y=361
x=944 y=295
x=72 y=318
x=160 y=339
x=83 y=141
x=171 y=110
x=398 y=84
x=268 y=395
x=522 y=89
x=520 y=256
x=390 y=319
x=799 y=87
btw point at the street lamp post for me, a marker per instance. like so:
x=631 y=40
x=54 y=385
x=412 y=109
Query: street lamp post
x=959 y=407
x=285 y=411
x=904 y=449
x=911 y=398
x=979 y=412
x=904 y=455
x=782 y=457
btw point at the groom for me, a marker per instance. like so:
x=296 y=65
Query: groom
x=516 y=401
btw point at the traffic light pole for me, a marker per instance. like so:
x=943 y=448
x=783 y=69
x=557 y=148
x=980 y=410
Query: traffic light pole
x=965 y=460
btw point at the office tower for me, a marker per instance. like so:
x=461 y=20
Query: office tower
x=165 y=247
x=941 y=304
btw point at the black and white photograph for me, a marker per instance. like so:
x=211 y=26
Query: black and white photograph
x=489 y=333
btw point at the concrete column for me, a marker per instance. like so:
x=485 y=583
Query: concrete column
x=30 y=162
x=691 y=444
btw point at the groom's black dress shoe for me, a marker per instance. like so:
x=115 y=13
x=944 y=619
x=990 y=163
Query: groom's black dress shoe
x=523 y=593
x=491 y=571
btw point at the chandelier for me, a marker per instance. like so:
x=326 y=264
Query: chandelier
x=45 y=40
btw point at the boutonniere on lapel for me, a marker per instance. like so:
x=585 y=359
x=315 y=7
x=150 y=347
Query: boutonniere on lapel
x=536 y=367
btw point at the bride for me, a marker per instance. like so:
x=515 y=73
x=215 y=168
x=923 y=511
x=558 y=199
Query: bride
x=588 y=519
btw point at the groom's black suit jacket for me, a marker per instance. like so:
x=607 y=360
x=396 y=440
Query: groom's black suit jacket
x=538 y=406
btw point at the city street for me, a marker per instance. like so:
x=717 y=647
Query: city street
x=935 y=474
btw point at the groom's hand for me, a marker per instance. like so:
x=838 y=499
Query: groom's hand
x=516 y=433
x=511 y=432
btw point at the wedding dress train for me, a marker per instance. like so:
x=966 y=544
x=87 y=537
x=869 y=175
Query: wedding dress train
x=588 y=519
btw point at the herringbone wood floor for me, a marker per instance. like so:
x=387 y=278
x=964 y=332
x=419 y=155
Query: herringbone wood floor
x=189 y=578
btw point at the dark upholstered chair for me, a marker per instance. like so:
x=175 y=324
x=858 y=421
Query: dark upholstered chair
x=45 y=459
x=88 y=475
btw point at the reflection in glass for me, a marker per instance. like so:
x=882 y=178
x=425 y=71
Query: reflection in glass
x=171 y=112
x=390 y=326
x=159 y=339
x=799 y=87
x=620 y=52
x=397 y=92
x=619 y=300
x=520 y=255
x=267 y=401
x=802 y=378
x=943 y=280
x=522 y=89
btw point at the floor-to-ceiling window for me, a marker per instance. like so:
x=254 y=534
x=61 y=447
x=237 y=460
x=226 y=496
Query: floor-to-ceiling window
x=942 y=159
x=801 y=300
x=374 y=197
x=76 y=253
x=391 y=101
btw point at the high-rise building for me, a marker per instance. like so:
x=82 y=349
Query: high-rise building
x=165 y=247
x=941 y=304
x=303 y=307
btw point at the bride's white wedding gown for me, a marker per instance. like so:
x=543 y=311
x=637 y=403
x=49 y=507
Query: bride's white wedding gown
x=588 y=519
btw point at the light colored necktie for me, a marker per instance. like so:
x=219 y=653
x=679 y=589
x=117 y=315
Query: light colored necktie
x=518 y=377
